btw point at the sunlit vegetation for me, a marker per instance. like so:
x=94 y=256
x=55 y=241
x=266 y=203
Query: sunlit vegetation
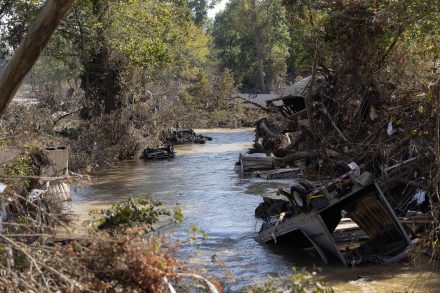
x=118 y=74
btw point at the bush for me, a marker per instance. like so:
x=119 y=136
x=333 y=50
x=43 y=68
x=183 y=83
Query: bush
x=134 y=213
x=22 y=117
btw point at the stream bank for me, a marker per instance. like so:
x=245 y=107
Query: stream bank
x=202 y=181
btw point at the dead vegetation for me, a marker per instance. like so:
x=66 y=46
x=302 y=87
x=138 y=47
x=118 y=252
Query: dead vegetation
x=125 y=255
x=102 y=263
x=34 y=259
x=377 y=106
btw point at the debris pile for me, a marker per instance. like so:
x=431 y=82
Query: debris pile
x=392 y=132
x=186 y=136
x=37 y=255
x=311 y=214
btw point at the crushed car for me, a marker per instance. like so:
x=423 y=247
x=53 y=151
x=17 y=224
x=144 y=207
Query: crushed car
x=311 y=214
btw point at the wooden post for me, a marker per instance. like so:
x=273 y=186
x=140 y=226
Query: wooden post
x=30 y=48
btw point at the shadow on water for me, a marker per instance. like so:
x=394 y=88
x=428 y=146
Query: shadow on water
x=202 y=181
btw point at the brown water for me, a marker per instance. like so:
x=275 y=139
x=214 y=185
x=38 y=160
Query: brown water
x=202 y=181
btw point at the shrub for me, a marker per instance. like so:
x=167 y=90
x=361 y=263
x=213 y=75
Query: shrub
x=134 y=213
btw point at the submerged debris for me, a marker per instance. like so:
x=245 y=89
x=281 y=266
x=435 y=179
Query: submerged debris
x=159 y=153
x=312 y=213
x=187 y=136
x=392 y=133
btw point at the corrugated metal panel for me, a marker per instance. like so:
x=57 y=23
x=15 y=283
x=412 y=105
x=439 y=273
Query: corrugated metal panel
x=298 y=89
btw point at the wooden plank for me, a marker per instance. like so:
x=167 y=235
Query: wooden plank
x=279 y=173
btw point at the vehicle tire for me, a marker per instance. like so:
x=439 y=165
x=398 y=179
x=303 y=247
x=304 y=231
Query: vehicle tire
x=170 y=149
x=341 y=168
x=307 y=185
x=298 y=195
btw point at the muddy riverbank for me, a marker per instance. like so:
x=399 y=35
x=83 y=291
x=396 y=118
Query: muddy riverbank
x=202 y=181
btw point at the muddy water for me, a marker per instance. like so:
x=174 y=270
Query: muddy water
x=202 y=181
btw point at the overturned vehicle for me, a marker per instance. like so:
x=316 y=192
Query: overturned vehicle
x=159 y=153
x=311 y=214
x=187 y=136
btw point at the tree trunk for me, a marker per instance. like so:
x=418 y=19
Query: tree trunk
x=30 y=48
x=100 y=76
x=257 y=39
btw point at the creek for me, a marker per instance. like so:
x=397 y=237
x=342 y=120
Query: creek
x=201 y=180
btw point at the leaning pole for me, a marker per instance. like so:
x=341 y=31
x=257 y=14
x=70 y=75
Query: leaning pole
x=31 y=46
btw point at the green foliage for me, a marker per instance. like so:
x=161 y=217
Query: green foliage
x=197 y=233
x=299 y=282
x=21 y=166
x=220 y=117
x=146 y=31
x=133 y=213
x=251 y=38
x=361 y=32
x=199 y=9
x=15 y=16
x=177 y=215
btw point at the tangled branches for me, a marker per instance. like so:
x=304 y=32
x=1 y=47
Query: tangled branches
x=102 y=263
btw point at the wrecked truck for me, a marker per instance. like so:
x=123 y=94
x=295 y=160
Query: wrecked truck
x=159 y=153
x=313 y=213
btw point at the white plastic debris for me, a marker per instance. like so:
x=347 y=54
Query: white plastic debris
x=2 y=217
x=2 y=187
x=419 y=197
x=373 y=114
x=390 y=129
x=36 y=194
x=2 y=208
x=282 y=215
x=355 y=168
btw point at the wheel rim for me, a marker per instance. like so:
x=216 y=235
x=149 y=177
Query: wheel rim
x=297 y=198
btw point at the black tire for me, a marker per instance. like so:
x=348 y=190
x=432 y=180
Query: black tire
x=341 y=168
x=170 y=149
x=307 y=185
x=298 y=195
